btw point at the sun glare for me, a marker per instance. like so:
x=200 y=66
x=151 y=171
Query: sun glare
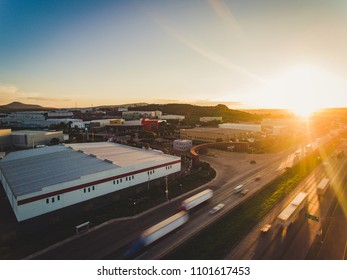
x=303 y=112
x=303 y=89
x=300 y=87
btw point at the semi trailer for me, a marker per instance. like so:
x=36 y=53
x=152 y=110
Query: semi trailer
x=196 y=200
x=156 y=232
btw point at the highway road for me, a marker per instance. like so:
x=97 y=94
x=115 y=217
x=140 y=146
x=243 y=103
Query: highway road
x=301 y=235
x=268 y=170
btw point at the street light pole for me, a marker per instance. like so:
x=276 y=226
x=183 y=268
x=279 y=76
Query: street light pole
x=166 y=189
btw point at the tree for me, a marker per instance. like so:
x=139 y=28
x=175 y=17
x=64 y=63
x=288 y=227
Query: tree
x=147 y=135
x=55 y=141
x=147 y=146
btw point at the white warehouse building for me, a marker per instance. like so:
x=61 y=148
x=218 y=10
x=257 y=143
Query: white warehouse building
x=242 y=126
x=40 y=181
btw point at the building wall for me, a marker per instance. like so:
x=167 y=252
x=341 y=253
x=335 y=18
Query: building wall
x=241 y=126
x=150 y=125
x=104 y=122
x=208 y=119
x=117 y=121
x=60 y=114
x=121 y=129
x=133 y=115
x=203 y=136
x=5 y=138
x=182 y=145
x=8 y=191
x=80 y=125
x=89 y=187
x=28 y=140
x=171 y=117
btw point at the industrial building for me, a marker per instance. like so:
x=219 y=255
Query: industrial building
x=25 y=119
x=151 y=125
x=127 y=127
x=210 y=119
x=171 y=117
x=64 y=114
x=31 y=138
x=242 y=126
x=211 y=134
x=104 y=122
x=39 y=181
x=5 y=139
x=135 y=115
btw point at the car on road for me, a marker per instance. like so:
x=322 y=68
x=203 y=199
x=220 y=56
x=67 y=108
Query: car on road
x=265 y=228
x=238 y=189
x=244 y=192
x=216 y=208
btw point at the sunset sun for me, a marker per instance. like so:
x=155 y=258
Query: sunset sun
x=302 y=89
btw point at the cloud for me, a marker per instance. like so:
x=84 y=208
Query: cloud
x=10 y=93
x=200 y=102
x=203 y=51
x=38 y=98
x=223 y=11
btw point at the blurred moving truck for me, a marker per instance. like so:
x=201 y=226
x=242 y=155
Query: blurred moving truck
x=322 y=186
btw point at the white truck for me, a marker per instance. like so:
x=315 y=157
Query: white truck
x=197 y=199
x=323 y=186
x=291 y=212
x=156 y=232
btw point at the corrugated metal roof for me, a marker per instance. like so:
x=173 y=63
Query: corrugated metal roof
x=122 y=155
x=33 y=152
x=30 y=171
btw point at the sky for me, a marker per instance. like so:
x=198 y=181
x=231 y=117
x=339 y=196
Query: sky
x=245 y=54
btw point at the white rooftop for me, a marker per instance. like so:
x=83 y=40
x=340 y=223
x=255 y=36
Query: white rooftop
x=122 y=155
x=31 y=170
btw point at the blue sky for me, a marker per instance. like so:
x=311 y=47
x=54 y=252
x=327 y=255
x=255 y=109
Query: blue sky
x=245 y=54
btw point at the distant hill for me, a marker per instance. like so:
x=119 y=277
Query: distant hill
x=271 y=113
x=18 y=106
x=194 y=111
x=122 y=105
